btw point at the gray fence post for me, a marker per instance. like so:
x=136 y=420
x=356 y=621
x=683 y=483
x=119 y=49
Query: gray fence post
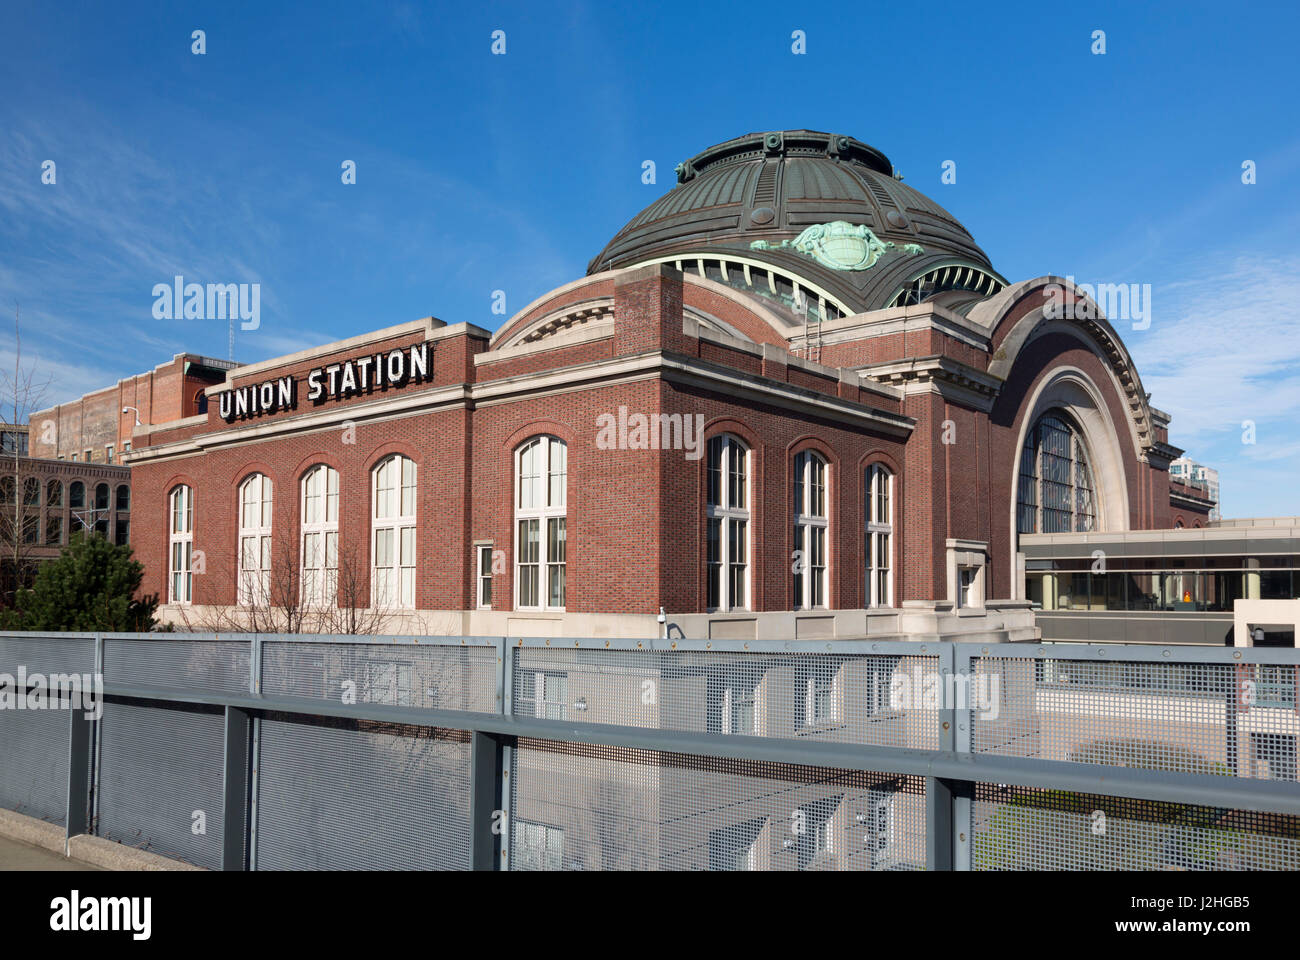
x=234 y=798
x=484 y=801
x=80 y=738
x=506 y=681
x=939 y=793
x=962 y=822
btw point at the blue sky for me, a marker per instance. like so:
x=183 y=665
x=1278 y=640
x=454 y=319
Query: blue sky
x=478 y=172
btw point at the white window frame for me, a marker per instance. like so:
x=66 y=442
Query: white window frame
x=733 y=522
x=108 y=453
x=482 y=579
x=180 y=545
x=393 y=518
x=255 y=495
x=550 y=689
x=541 y=498
x=880 y=530
x=526 y=837
x=319 y=583
x=736 y=694
x=808 y=525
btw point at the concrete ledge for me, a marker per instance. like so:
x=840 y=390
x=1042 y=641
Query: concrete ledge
x=117 y=856
x=95 y=851
x=38 y=833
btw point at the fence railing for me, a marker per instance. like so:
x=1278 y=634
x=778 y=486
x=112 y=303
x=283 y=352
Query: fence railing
x=283 y=752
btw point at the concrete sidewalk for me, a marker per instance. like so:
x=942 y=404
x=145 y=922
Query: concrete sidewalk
x=15 y=855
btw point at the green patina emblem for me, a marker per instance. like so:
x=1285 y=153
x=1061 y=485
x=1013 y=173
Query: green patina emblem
x=839 y=245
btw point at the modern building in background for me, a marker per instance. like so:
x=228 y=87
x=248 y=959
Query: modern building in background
x=1200 y=478
x=791 y=398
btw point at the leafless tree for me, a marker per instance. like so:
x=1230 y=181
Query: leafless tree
x=22 y=392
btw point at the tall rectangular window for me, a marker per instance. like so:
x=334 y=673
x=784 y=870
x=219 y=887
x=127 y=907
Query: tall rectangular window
x=811 y=531
x=541 y=530
x=726 y=524
x=255 y=540
x=484 y=575
x=181 y=545
x=879 y=537
x=393 y=554
x=320 y=536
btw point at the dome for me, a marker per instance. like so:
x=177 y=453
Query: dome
x=825 y=213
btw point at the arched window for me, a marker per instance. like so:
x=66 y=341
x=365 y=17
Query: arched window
x=541 y=479
x=320 y=536
x=1056 y=489
x=811 y=530
x=77 y=495
x=726 y=512
x=101 y=509
x=879 y=493
x=254 y=540
x=181 y=543
x=393 y=531
x=31 y=492
x=54 y=493
x=123 y=497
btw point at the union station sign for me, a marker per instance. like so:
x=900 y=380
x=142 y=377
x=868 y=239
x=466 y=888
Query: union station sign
x=349 y=378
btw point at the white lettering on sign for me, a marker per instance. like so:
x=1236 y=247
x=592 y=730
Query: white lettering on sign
x=381 y=371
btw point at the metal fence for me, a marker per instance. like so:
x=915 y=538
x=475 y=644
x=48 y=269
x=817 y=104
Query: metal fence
x=303 y=752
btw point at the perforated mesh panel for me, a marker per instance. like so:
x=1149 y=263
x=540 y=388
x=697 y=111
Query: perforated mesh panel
x=159 y=766
x=46 y=655
x=1023 y=829
x=1191 y=717
x=410 y=675
x=34 y=763
x=842 y=698
x=357 y=795
x=576 y=807
x=218 y=665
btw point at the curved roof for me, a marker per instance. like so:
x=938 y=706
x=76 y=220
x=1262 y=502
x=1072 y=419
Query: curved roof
x=772 y=187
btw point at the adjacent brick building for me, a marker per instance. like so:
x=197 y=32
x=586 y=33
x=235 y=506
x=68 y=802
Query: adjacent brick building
x=791 y=398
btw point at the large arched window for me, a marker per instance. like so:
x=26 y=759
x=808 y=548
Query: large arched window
x=811 y=531
x=255 y=540
x=181 y=542
x=320 y=536
x=54 y=494
x=393 y=530
x=726 y=512
x=879 y=495
x=541 y=478
x=1056 y=493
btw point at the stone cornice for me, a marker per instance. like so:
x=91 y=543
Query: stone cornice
x=938 y=374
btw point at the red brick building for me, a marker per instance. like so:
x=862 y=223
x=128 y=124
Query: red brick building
x=791 y=398
x=97 y=427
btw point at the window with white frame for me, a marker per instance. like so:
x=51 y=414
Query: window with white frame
x=727 y=523
x=739 y=709
x=536 y=846
x=817 y=692
x=542 y=694
x=811 y=530
x=541 y=481
x=483 y=577
x=879 y=536
x=255 y=540
x=181 y=544
x=320 y=536
x=393 y=531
